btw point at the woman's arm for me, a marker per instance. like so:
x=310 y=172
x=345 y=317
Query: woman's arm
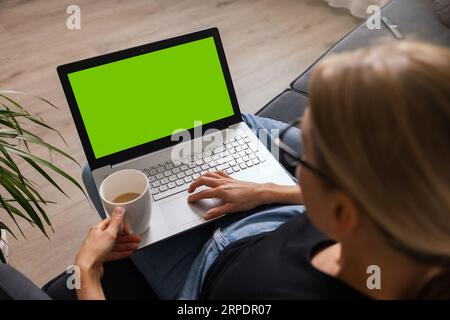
x=103 y=243
x=238 y=195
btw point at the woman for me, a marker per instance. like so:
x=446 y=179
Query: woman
x=374 y=177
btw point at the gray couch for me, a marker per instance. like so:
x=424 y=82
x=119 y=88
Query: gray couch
x=417 y=20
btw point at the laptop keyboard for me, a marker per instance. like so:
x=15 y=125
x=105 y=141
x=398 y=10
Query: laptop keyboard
x=235 y=154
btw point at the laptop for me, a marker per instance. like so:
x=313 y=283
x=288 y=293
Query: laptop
x=170 y=110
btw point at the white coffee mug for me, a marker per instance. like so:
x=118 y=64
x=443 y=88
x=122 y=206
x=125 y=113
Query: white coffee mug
x=138 y=210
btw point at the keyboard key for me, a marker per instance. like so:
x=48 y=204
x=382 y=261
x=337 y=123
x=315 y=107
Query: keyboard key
x=245 y=158
x=229 y=170
x=255 y=161
x=218 y=149
x=152 y=171
x=171 y=185
x=197 y=169
x=188 y=179
x=172 y=178
x=253 y=147
x=212 y=164
x=151 y=179
x=238 y=149
x=248 y=151
x=159 y=176
x=191 y=165
x=261 y=158
x=232 y=163
x=163 y=188
x=156 y=184
x=165 y=181
x=205 y=167
x=161 y=169
x=155 y=190
x=236 y=168
x=176 y=170
x=243 y=166
x=196 y=176
x=167 y=173
x=180 y=182
x=249 y=163
x=181 y=175
x=169 y=166
x=184 y=167
x=222 y=167
x=252 y=156
x=239 y=161
x=241 y=142
x=215 y=156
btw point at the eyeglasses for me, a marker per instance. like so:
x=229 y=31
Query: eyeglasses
x=293 y=158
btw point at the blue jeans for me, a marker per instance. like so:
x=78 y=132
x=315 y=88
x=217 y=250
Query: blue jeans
x=176 y=267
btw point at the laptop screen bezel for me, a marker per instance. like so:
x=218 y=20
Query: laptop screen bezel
x=158 y=144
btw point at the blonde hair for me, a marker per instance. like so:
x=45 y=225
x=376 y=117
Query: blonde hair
x=381 y=125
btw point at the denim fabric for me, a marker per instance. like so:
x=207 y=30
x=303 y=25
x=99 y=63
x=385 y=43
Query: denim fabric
x=264 y=221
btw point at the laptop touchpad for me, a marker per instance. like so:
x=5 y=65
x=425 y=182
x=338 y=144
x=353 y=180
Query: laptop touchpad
x=178 y=211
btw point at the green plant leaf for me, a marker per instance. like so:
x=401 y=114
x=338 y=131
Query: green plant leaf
x=3 y=92
x=24 y=192
x=45 y=175
x=22 y=201
x=46 y=163
x=10 y=213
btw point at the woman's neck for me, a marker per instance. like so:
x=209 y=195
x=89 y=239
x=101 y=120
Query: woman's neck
x=400 y=277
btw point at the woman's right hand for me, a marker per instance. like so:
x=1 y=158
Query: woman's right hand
x=236 y=195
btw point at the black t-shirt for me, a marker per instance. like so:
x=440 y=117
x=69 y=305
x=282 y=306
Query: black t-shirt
x=275 y=265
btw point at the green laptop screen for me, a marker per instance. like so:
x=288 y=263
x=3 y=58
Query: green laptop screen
x=133 y=101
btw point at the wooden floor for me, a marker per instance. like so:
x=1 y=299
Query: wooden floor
x=267 y=43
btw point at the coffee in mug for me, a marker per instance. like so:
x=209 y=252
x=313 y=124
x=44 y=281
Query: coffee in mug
x=128 y=189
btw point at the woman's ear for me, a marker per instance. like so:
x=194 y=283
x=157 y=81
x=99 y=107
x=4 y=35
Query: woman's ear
x=344 y=215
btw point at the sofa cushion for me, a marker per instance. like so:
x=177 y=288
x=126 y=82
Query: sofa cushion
x=285 y=107
x=15 y=286
x=416 y=19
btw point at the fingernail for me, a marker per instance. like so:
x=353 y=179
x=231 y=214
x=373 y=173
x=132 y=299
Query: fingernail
x=119 y=211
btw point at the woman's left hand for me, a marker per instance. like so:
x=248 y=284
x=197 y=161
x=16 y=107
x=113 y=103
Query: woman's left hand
x=104 y=243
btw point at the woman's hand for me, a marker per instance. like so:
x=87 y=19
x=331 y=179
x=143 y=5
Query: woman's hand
x=103 y=243
x=238 y=195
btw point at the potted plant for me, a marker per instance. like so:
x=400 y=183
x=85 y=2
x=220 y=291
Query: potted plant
x=19 y=196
